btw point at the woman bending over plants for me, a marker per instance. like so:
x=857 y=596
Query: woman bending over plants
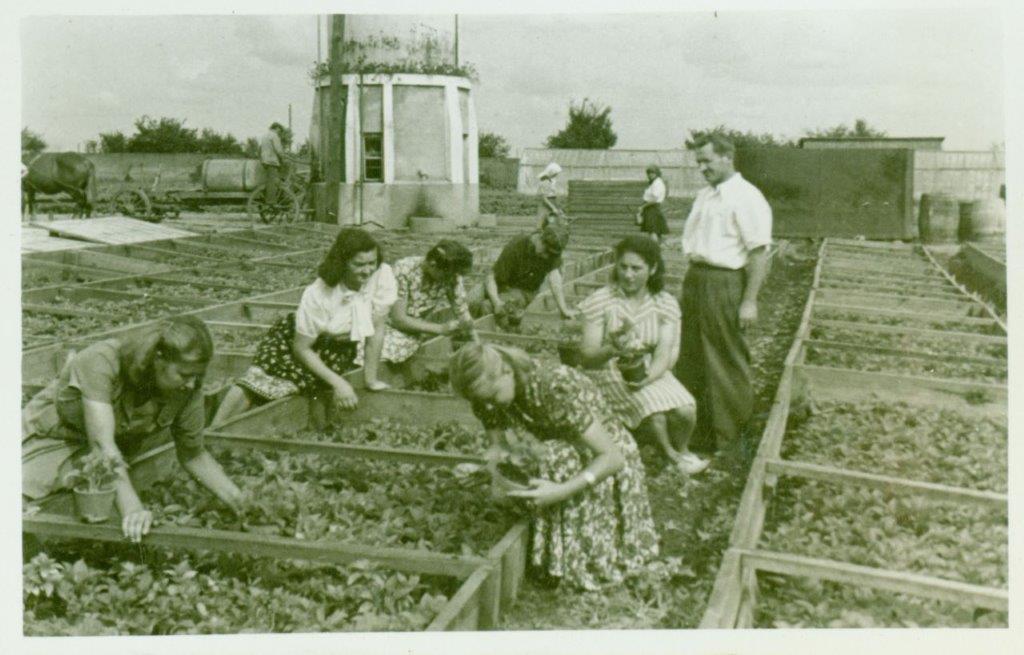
x=593 y=523
x=309 y=351
x=112 y=397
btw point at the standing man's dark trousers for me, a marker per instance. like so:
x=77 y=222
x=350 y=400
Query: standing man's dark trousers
x=714 y=361
x=273 y=174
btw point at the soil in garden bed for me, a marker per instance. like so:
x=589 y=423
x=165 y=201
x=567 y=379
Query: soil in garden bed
x=388 y=433
x=917 y=366
x=871 y=527
x=785 y=602
x=190 y=290
x=924 y=322
x=694 y=515
x=951 y=345
x=930 y=444
x=88 y=588
x=238 y=340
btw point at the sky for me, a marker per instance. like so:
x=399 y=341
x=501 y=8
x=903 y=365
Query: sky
x=922 y=72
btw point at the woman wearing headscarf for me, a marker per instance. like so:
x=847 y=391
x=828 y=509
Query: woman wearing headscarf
x=593 y=522
x=310 y=350
x=113 y=396
x=649 y=216
x=548 y=211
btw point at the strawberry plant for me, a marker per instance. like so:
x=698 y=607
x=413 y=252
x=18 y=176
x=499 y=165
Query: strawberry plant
x=93 y=472
x=172 y=593
x=872 y=527
x=938 y=345
x=931 y=444
x=863 y=360
x=791 y=602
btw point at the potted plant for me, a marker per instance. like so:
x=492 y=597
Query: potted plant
x=511 y=315
x=569 y=336
x=94 y=483
x=632 y=364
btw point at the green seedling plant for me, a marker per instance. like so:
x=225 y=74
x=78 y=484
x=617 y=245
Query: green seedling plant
x=94 y=472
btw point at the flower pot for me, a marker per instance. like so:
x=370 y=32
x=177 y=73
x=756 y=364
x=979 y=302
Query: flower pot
x=569 y=354
x=633 y=371
x=95 y=506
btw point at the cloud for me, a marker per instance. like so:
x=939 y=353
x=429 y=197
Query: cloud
x=272 y=40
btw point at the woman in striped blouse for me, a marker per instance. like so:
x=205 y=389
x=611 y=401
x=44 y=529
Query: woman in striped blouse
x=634 y=313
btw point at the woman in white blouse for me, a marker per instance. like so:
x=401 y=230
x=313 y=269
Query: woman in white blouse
x=649 y=216
x=310 y=351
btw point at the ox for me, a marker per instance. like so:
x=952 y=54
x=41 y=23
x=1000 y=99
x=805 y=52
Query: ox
x=61 y=172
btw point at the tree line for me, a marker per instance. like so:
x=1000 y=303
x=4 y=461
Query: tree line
x=589 y=127
x=164 y=135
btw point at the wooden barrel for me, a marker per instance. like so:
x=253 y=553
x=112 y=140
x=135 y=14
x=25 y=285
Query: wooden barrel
x=982 y=218
x=231 y=174
x=938 y=218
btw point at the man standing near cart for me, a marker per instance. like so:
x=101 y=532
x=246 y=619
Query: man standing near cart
x=725 y=240
x=272 y=157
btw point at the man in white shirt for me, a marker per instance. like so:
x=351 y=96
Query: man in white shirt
x=725 y=239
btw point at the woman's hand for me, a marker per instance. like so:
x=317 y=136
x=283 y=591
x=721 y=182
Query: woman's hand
x=648 y=379
x=136 y=523
x=345 y=395
x=541 y=492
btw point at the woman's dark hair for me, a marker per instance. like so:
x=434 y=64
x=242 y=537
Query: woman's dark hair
x=178 y=339
x=649 y=251
x=451 y=257
x=350 y=242
x=654 y=168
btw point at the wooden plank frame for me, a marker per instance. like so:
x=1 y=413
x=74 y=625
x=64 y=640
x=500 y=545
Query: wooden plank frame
x=733 y=596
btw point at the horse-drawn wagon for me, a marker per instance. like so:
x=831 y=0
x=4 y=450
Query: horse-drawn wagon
x=221 y=181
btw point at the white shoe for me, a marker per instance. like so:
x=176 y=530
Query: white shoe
x=690 y=464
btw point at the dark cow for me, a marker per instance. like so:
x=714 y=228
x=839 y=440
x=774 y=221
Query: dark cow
x=61 y=172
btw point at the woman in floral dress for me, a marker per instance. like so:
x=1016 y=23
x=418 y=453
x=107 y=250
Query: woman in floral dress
x=309 y=351
x=634 y=313
x=431 y=299
x=593 y=523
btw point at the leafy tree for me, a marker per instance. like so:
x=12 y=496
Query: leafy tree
x=32 y=142
x=163 y=135
x=589 y=128
x=212 y=142
x=492 y=145
x=113 y=142
x=740 y=139
x=860 y=129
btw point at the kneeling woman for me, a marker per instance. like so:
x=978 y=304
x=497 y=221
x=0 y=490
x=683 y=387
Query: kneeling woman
x=309 y=351
x=113 y=395
x=595 y=521
x=431 y=299
x=635 y=313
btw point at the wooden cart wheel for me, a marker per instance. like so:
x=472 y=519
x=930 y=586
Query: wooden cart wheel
x=134 y=203
x=284 y=210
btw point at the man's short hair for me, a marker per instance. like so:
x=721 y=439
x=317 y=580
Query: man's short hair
x=720 y=144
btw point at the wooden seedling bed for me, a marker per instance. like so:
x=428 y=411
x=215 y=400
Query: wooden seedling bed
x=735 y=594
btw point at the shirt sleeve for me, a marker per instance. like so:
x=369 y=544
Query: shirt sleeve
x=592 y=306
x=187 y=428
x=311 y=318
x=668 y=307
x=754 y=219
x=385 y=292
x=459 y=303
x=93 y=372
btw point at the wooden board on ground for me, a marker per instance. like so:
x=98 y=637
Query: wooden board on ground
x=34 y=239
x=114 y=230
